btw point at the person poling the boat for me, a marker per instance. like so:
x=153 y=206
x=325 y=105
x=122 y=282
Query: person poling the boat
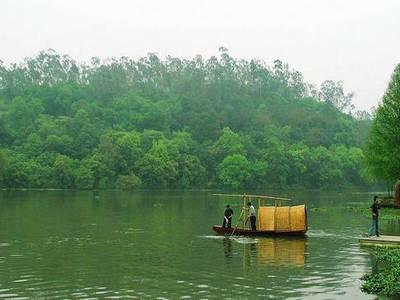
x=228 y=214
x=373 y=230
x=252 y=216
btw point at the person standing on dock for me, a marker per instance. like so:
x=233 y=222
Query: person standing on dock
x=252 y=216
x=373 y=230
x=228 y=214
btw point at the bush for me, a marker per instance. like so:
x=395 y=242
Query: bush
x=128 y=182
x=385 y=280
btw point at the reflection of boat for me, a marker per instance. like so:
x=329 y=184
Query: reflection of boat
x=272 y=219
x=282 y=251
x=271 y=251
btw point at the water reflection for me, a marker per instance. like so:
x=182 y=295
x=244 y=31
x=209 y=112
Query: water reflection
x=276 y=251
x=227 y=248
x=63 y=244
x=282 y=251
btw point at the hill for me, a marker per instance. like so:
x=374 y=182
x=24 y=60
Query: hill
x=174 y=123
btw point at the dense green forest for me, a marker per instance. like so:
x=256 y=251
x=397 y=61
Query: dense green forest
x=174 y=123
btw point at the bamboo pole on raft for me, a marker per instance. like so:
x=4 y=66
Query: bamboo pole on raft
x=253 y=196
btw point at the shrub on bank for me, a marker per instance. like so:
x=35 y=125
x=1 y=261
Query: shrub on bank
x=385 y=279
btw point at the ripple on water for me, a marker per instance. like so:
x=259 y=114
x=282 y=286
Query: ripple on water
x=216 y=237
x=20 y=280
x=7 y=296
x=245 y=240
x=326 y=234
x=202 y=286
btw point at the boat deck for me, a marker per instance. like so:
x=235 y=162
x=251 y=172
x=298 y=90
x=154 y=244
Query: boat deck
x=382 y=240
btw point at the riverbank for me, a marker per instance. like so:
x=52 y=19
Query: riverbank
x=384 y=277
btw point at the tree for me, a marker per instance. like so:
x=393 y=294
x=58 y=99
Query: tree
x=22 y=114
x=156 y=168
x=175 y=123
x=84 y=133
x=383 y=143
x=333 y=93
x=129 y=151
x=228 y=143
x=296 y=155
x=191 y=171
x=234 y=171
x=128 y=182
x=3 y=163
x=63 y=171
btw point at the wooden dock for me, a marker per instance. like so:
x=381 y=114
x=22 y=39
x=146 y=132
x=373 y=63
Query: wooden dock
x=382 y=240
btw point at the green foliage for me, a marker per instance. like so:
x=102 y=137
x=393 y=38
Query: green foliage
x=383 y=144
x=234 y=171
x=63 y=171
x=3 y=163
x=174 y=123
x=333 y=93
x=128 y=182
x=385 y=280
x=84 y=178
x=229 y=143
x=157 y=168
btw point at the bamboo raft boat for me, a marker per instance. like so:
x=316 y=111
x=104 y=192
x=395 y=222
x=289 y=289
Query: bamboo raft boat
x=273 y=219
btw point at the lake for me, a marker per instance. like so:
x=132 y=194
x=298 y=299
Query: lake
x=160 y=245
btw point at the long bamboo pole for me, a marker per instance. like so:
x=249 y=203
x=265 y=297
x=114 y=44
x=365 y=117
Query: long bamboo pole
x=253 y=196
x=240 y=218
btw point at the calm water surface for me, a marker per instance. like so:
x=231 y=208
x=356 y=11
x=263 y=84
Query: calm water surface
x=160 y=245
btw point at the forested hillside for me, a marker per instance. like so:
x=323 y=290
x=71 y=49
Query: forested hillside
x=174 y=123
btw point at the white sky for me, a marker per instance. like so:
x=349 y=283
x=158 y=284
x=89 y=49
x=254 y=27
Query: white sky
x=356 y=41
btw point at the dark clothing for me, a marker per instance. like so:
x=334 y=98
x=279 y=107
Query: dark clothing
x=253 y=222
x=373 y=230
x=227 y=217
x=227 y=221
x=228 y=212
x=375 y=207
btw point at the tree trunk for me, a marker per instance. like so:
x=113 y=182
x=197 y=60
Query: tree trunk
x=397 y=194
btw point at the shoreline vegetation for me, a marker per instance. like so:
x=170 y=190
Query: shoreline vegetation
x=175 y=123
x=384 y=278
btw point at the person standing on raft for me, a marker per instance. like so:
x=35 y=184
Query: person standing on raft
x=252 y=216
x=373 y=230
x=228 y=214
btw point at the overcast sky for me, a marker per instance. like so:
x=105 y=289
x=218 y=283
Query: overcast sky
x=356 y=41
